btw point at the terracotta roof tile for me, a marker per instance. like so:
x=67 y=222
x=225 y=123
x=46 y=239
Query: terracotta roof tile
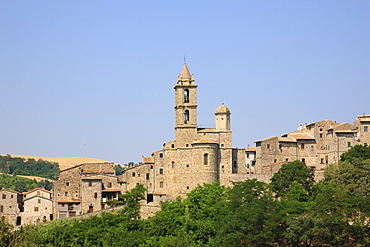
x=204 y=141
x=300 y=136
x=148 y=160
x=69 y=201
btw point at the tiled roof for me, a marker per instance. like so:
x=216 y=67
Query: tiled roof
x=251 y=149
x=268 y=138
x=10 y=190
x=287 y=139
x=43 y=189
x=300 y=136
x=68 y=201
x=204 y=141
x=148 y=160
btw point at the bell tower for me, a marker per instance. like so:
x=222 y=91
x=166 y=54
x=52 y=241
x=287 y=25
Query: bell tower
x=185 y=108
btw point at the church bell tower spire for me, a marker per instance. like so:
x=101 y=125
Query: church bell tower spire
x=185 y=106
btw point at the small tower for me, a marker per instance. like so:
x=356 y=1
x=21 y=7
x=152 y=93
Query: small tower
x=222 y=117
x=185 y=107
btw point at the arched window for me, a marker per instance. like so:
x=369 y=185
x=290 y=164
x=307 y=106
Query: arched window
x=186 y=96
x=205 y=161
x=173 y=164
x=186 y=116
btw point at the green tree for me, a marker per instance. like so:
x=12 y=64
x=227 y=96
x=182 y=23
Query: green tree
x=251 y=218
x=132 y=200
x=289 y=173
x=357 y=152
x=118 y=169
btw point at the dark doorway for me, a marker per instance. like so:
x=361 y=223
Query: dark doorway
x=18 y=221
x=149 y=198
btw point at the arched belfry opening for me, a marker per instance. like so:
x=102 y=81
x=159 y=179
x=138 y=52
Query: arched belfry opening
x=186 y=116
x=186 y=96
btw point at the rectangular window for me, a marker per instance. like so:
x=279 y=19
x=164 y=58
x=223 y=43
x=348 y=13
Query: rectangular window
x=11 y=196
x=1 y=209
x=160 y=155
x=36 y=209
x=110 y=185
x=366 y=128
x=349 y=144
x=39 y=200
x=95 y=195
x=90 y=183
x=147 y=176
x=268 y=146
x=161 y=171
x=133 y=174
x=302 y=145
x=161 y=184
x=4 y=196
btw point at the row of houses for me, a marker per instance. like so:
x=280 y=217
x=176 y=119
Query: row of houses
x=26 y=208
x=317 y=144
x=195 y=156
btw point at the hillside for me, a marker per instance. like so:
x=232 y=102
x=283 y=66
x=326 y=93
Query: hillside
x=64 y=162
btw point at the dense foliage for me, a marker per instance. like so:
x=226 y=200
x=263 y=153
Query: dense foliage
x=20 y=184
x=29 y=167
x=296 y=212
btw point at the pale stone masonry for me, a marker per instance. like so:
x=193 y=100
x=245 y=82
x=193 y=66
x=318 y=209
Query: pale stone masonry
x=317 y=144
x=196 y=156
x=85 y=188
x=37 y=205
x=11 y=206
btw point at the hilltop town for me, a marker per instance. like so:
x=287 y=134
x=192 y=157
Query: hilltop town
x=195 y=156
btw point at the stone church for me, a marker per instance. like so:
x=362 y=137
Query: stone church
x=196 y=156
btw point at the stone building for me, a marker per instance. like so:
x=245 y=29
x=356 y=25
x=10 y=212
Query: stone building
x=85 y=188
x=317 y=144
x=250 y=159
x=11 y=206
x=38 y=206
x=196 y=156
x=362 y=129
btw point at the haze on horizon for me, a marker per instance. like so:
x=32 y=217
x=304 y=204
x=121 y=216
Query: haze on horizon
x=95 y=79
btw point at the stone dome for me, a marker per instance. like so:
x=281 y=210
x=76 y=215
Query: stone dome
x=222 y=109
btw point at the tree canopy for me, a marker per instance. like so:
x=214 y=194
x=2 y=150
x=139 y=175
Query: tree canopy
x=29 y=167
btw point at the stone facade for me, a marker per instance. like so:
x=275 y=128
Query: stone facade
x=11 y=206
x=317 y=144
x=85 y=188
x=38 y=206
x=196 y=156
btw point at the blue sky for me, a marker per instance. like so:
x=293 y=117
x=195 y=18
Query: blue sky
x=103 y=71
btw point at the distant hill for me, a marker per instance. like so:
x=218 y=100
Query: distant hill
x=64 y=162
